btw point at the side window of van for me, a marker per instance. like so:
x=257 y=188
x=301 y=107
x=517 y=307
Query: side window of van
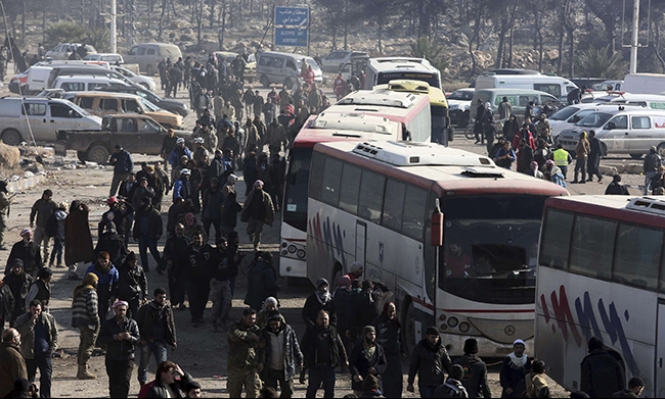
x=133 y=51
x=141 y=51
x=265 y=61
x=34 y=109
x=278 y=63
x=108 y=104
x=61 y=111
x=151 y=51
x=640 y=122
x=291 y=65
x=85 y=102
x=73 y=86
x=620 y=122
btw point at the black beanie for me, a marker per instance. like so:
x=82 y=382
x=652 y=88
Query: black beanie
x=431 y=331
x=471 y=346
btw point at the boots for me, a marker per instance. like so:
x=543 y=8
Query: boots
x=84 y=374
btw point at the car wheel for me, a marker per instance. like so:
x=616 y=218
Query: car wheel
x=149 y=70
x=288 y=83
x=265 y=82
x=98 y=154
x=11 y=137
x=636 y=156
x=82 y=156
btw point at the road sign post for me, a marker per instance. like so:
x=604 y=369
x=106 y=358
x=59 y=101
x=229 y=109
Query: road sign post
x=291 y=27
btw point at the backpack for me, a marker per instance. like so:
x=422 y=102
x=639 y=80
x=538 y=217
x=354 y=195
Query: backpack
x=51 y=228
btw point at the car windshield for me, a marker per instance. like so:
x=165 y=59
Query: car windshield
x=564 y=114
x=597 y=119
x=463 y=95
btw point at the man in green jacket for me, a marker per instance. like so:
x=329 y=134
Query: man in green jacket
x=244 y=355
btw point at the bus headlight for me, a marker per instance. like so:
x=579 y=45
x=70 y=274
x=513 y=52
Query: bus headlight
x=453 y=322
x=300 y=254
x=292 y=249
x=443 y=327
x=464 y=327
x=284 y=253
x=442 y=317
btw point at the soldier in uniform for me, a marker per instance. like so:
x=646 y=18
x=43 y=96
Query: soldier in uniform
x=244 y=354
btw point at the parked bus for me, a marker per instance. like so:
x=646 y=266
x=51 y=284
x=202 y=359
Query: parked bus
x=602 y=273
x=441 y=132
x=382 y=70
x=384 y=205
x=327 y=126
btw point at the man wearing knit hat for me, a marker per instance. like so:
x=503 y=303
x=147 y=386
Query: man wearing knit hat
x=367 y=358
x=282 y=355
x=28 y=251
x=514 y=369
x=257 y=210
x=85 y=316
x=475 y=371
x=43 y=208
x=430 y=360
x=107 y=287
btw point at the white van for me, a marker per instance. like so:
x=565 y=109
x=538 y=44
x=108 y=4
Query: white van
x=149 y=55
x=518 y=98
x=644 y=83
x=18 y=116
x=569 y=116
x=283 y=68
x=85 y=82
x=557 y=86
x=621 y=130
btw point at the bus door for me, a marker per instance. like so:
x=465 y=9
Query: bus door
x=361 y=241
x=660 y=354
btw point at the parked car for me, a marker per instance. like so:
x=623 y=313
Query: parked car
x=37 y=119
x=84 y=82
x=284 y=68
x=111 y=58
x=145 y=81
x=149 y=55
x=174 y=106
x=459 y=102
x=105 y=103
x=334 y=61
x=138 y=134
x=64 y=50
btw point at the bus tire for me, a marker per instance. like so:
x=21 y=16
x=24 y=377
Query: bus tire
x=409 y=330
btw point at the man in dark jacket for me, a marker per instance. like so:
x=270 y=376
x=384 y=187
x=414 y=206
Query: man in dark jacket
x=430 y=360
x=616 y=188
x=203 y=260
x=42 y=209
x=602 y=375
x=245 y=353
x=6 y=303
x=261 y=280
x=120 y=335
x=368 y=304
x=120 y=212
x=475 y=371
x=148 y=229
x=157 y=328
x=12 y=364
x=323 y=352
x=593 y=159
x=343 y=300
x=27 y=251
x=513 y=372
x=650 y=167
x=453 y=387
x=635 y=389
x=107 y=285
x=318 y=301
x=257 y=210
x=132 y=284
x=112 y=243
x=175 y=251
x=282 y=355
x=175 y=76
x=19 y=283
x=122 y=164
x=367 y=358
x=524 y=158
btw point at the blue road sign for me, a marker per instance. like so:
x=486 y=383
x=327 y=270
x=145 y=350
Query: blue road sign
x=292 y=16
x=291 y=37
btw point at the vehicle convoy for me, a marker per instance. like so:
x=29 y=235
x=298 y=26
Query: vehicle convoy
x=136 y=133
x=105 y=103
x=451 y=234
x=38 y=119
x=601 y=273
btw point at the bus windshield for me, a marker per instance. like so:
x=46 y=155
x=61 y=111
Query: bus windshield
x=297 y=181
x=490 y=248
x=431 y=78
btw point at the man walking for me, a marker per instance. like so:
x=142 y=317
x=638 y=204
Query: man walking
x=28 y=252
x=430 y=360
x=132 y=284
x=39 y=341
x=593 y=161
x=43 y=208
x=107 y=285
x=601 y=374
x=257 y=210
x=86 y=317
x=513 y=372
x=562 y=159
x=157 y=329
x=148 y=228
x=324 y=351
x=122 y=164
x=282 y=355
x=650 y=166
x=120 y=335
x=475 y=371
x=367 y=358
x=203 y=260
x=12 y=365
x=505 y=109
x=244 y=355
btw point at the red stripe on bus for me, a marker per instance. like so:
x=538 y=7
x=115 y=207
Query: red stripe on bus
x=421 y=302
x=489 y=310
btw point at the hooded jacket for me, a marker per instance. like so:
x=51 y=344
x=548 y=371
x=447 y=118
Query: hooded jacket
x=108 y=279
x=601 y=375
x=430 y=363
x=452 y=388
x=153 y=219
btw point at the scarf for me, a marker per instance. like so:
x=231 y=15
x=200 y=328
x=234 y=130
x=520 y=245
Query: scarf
x=323 y=297
x=519 y=362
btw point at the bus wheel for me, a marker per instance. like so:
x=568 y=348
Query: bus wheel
x=409 y=323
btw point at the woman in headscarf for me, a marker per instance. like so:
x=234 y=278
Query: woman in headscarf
x=78 y=240
x=388 y=335
x=318 y=301
x=510 y=128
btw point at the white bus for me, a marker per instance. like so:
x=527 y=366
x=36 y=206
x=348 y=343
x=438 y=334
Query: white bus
x=375 y=203
x=382 y=70
x=602 y=273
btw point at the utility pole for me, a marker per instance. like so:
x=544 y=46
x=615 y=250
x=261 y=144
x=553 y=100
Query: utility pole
x=634 y=44
x=113 y=33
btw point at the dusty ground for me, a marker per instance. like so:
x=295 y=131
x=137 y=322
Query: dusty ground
x=201 y=352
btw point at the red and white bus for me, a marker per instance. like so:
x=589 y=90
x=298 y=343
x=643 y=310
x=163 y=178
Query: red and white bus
x=363 y=115
x=602 y=273
x=453 y=235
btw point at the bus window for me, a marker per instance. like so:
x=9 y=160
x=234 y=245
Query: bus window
x=414 y=213
x=371 y=196
x=394 y=202
x=637 y=256
x=316 y=176
x=555 y=245
x=348 y=197
x=332 y=180
x=421 y=126
x=592 y=247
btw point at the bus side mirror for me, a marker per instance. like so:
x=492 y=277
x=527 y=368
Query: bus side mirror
x=436 y=235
